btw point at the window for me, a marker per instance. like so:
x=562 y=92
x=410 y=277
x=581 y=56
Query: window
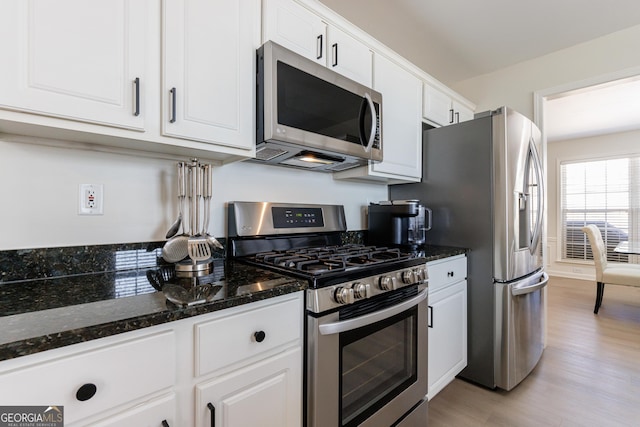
x=602 y=192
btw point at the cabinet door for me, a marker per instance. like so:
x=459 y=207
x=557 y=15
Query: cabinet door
x=75 y=59
x=436 y=106
x=150 y=414
x=93 y=377
x=209 y=70
x=462 y=113
x=447 y=335
x=348 y=56
x=401 y=121
x=265 y=394
x=296 y=28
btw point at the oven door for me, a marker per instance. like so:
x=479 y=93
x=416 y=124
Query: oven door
x=367 y=363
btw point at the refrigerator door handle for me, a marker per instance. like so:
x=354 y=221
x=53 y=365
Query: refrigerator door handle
x=538 y=170
x=529 y=287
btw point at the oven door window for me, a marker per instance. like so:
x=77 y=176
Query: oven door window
x=377 y=363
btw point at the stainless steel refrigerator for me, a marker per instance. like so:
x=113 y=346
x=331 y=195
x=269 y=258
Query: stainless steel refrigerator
x=483 y=180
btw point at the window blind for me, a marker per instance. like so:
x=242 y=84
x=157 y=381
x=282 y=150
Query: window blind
x=603 y=192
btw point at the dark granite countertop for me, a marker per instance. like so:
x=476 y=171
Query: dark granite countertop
x=433 y=252
x=43 y=313
x=50 y=307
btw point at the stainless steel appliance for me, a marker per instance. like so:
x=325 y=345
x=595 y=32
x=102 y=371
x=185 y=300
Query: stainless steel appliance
x=483 y=180
x=311 y=117
x=366 y=306
x=402 y=223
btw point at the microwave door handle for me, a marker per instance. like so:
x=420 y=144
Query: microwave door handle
x=374 y=120
x=371 y=318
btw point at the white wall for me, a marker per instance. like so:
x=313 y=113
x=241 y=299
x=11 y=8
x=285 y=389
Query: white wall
x=39 y=195
x=514 y=86
x=582 y=148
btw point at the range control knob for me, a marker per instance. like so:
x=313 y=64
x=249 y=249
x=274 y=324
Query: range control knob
x=360 y=290
x=421 y=274
x=408 y=276
x=343 y=295
x=387 y=283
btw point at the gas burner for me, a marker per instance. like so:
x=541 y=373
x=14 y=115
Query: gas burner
x=323 y=259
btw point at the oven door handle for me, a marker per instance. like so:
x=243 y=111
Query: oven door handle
x=368 y=319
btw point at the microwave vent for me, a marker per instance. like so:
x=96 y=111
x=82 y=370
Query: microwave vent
x=343 y=166
x=267 y=154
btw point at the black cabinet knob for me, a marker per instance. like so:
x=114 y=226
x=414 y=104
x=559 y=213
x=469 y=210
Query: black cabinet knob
x=86 y=392
x=259 y=336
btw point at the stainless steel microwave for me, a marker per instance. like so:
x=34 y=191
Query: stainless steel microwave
x=311 y=117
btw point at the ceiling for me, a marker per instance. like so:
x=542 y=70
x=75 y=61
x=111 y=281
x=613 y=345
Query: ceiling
x=455 y=40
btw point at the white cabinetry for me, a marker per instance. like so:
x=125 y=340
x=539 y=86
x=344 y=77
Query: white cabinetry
x=249 y=365
x=75 y=60
x=440 y=108
x=242 y=365
x=401 y=126
x=131 y=376
x=267 y=393
x=208 y=70
x=175 y=76
x=299 y=29
x=447 y=321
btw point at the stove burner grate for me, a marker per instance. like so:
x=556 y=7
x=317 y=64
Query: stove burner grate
x=318 y=260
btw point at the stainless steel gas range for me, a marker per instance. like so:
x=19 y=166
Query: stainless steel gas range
x=366 y=308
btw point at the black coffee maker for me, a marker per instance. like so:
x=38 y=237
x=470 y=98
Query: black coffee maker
x=400 y=223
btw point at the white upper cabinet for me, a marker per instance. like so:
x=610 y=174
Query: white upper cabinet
x=297 y=28
x=401 y=126
x=75 y=59
x=348 y=56
x=172 y=76
x=209 y=72
x=440 y=108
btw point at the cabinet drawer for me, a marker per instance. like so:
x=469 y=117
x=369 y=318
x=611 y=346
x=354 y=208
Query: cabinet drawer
x=120 y=373
x=446 y=271
x=243 y=335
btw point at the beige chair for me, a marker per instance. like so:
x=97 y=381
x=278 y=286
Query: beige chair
x=618 y=274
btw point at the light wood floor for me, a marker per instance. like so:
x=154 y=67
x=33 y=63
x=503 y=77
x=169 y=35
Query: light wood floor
x=589 y=374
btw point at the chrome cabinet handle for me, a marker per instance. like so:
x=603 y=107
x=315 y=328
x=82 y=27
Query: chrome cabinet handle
x=173 y=105
x=136 y=84
x=319 y=47
x=457 y=117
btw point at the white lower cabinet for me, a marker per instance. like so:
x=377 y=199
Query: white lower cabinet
x=149 y=414
x=97 y=379
x=248 y=365
x=447 y=321
x=243 y=362
x=265 y=394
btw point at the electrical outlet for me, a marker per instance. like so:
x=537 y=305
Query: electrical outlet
x=91 y=200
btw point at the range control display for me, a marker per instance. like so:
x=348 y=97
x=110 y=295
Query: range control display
x=297 y=217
